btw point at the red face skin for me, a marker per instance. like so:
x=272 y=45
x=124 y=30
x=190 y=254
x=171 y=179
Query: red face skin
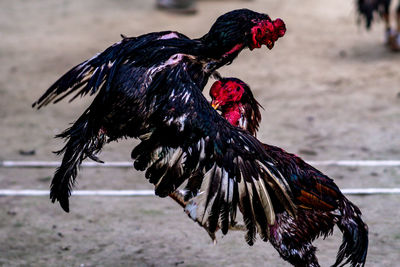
x=267 y=33
x=227 y=96
x=225 y=93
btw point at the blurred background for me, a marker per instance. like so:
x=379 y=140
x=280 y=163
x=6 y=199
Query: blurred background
x=330 y=90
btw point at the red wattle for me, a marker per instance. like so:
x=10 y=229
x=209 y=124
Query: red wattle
x=232 y=114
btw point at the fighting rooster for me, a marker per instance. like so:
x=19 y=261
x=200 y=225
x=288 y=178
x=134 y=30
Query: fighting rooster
x=150 y=87
x=319 y=202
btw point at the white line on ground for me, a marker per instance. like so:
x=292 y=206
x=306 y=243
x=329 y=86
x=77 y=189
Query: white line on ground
x=128 y=164
x=51 y=164
x=114 y=193
x=139 y=193
x=361 y=163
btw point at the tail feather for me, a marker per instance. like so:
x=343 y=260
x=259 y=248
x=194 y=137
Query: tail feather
x=83 y=141
x=354 y=246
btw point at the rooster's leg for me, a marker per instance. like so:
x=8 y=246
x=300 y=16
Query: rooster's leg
x=237 y=227
x=179 y=198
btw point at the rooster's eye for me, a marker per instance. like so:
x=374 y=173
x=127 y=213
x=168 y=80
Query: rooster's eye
x=237 y=89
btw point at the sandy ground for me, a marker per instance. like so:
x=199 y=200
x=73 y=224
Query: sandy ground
x=329 y=88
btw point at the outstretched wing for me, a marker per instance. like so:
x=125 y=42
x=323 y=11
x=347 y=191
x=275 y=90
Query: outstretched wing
x=98 y=72
x=310 y=188
x=223 y=166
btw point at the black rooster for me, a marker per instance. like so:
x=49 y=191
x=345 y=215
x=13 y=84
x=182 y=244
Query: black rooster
x=149 y=87
x=319 y=202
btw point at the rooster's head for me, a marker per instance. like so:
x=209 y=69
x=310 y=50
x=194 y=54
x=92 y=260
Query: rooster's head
x=236 y=102
x=227 y=91
x=266 y=33
x=238 y=29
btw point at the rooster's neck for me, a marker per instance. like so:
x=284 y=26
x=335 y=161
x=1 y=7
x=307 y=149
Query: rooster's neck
x=234 y=115
x=220 y=52
x=244 y=116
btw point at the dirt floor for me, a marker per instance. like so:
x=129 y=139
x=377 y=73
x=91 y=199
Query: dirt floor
x=330 y=91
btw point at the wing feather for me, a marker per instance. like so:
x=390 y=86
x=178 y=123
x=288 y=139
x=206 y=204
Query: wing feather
x=246 y=208
x=230 y=166
x=89 y=76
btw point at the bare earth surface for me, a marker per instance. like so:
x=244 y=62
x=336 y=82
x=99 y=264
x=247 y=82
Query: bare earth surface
x=329 y=88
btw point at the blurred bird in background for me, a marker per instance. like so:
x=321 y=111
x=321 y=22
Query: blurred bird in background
x=187 y=7
x=367 y=10
x=177 y=6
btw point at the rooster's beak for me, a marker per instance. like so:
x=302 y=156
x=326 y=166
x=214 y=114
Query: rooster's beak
x=215 y=104
x=270 y=44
